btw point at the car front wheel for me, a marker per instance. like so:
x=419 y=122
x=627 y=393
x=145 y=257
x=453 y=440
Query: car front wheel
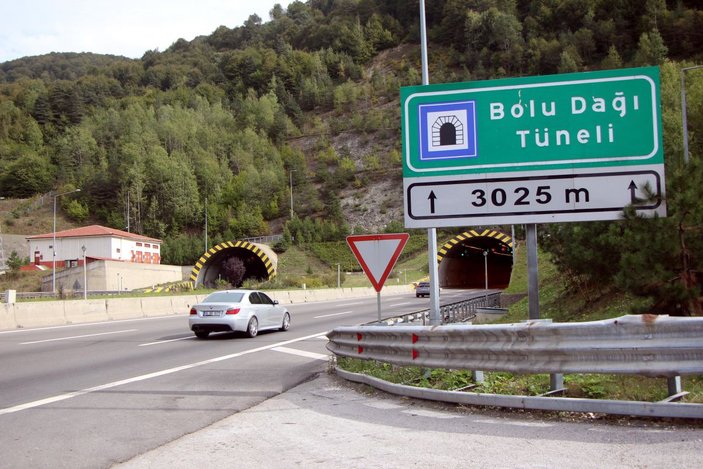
x=253 y=327
x=286 y=322
x=202 y=334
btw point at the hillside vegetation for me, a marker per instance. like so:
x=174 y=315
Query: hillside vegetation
x=231 y=123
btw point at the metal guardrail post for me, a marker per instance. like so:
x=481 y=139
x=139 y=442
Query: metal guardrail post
x=674 y=385
x=556 y=382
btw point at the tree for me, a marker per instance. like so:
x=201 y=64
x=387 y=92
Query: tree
x=76 y=210
x=657 y=260
x=612 y=60
x=234 y=270
x=651 y=49
x=14 y=262
x=28 y=175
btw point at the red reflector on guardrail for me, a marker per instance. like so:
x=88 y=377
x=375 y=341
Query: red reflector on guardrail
x=414 y=338
x=415 y=354
x=358 y=336
x=361 y=349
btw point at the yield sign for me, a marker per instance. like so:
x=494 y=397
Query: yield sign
x=377 y=254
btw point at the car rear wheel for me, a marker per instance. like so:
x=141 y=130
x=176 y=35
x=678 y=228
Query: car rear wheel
x=286 y=322
x=202 y=334
x=253 y=327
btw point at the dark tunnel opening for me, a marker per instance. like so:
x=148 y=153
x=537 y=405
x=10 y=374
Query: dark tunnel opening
x=464 y=265
x=213 y=268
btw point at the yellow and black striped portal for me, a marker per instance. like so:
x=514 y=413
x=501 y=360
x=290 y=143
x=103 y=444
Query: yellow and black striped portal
x=500 y=236
x=476 y=259
x=257 y=262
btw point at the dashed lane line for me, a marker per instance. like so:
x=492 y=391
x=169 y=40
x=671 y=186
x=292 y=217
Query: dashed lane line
x=76 y=337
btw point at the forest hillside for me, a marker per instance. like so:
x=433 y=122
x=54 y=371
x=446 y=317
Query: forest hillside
x=302 y=107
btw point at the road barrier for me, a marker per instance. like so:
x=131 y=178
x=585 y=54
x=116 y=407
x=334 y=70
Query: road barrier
x=644 y=345
x=461 y=311
x=647 y=345
x=28 y=314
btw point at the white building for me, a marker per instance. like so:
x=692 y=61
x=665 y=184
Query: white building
x=100 y=242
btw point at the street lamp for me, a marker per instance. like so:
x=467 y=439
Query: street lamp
x=85 y=274
x=683 y=110
x=53 y=246
x=485 y=273
x=290 y=174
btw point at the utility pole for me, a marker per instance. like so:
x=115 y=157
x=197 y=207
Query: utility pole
x=683 y=110
x=290 y=174
x=205 y=224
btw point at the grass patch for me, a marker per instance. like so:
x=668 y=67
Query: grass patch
x=589 y=386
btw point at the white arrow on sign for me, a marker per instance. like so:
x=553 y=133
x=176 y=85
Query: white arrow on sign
x=377 y=254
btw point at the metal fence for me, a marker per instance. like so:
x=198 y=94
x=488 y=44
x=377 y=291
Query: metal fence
x=264 y=239
x=458 y=312
x=57 y=296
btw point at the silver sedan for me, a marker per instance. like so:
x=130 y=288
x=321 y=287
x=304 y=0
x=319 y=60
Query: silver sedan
x=237 y=310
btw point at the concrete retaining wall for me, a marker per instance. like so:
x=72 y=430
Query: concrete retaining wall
x=56 y=313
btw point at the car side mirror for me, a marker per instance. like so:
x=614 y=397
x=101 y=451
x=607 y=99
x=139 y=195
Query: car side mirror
x=275 y=302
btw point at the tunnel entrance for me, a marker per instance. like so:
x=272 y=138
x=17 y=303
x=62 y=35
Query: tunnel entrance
x=464 y=259
x=259 y=262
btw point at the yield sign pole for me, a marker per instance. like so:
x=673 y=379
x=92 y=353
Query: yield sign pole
x=431 y=232
x=377 y=255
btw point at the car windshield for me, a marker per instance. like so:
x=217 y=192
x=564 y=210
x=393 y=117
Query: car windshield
x=224 y=297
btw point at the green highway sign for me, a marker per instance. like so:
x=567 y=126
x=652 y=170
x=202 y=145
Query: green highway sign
x=480 y=152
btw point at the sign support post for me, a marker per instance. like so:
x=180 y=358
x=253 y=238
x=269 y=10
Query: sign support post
x=532 y=277
x=378 y=305
x=435 y=318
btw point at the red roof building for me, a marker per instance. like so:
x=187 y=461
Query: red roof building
x=92 y=242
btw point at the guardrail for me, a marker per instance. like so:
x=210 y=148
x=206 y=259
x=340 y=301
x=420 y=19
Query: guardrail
x=67 y=295
x=643 y=345
x=647 y=345
x=461 y=311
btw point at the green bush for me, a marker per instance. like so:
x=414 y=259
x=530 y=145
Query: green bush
x=76 y=210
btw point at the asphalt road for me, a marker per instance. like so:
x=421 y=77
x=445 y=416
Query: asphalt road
x=97 y=394
x=327 y=423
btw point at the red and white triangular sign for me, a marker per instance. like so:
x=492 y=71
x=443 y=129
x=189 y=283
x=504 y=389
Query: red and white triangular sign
x=377 y=254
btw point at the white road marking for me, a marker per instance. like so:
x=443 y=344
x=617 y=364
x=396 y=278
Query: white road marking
x=114 y=384
x=351 y=304
x=159 y=342
x=431 y=413
x=86 y=324
x=302 y=353
x=330 y=315
x=401 y=304
x=77 y=337
x=516 y=424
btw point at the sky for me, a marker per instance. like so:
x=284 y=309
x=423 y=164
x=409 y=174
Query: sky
x=117 y=27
